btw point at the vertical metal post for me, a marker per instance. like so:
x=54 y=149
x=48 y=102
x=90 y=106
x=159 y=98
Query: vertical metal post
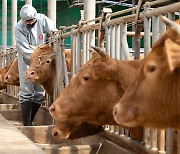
x=87 y=45
x=147 y=137
x=153 y=139
x=13 y=20
x=107 y=34
x=91 y=38
x=78 y=51
x=133 y=26
x=155 y=29
x=124 y=43
x=147 y=30
x=117 y=41
x=52 y=10
x=137 y=41
x=4 y=24
x=108 y=40
x=59 y=77
x=83 y=51
x=89 y=9
x=169 y=141
x=162 y=141
x=163 y=27
x=112 y=29
x=73 y=53
x=83 y=48
x=147 y=38
x=28 y=2
x=90 y=13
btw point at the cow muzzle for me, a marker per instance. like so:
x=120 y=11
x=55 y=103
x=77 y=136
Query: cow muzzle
x=125 y=116
x=59 y=134
x=32 y=75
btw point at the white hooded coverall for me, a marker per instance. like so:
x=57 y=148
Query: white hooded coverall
x=26 y=36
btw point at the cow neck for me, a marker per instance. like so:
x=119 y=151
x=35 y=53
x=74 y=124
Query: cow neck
x=48 y=87
x=127 y=70
x=48 y=84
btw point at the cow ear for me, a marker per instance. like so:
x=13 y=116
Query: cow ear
x=173 y=54
x=172 y=44
x=103 y=66
x=104 y=69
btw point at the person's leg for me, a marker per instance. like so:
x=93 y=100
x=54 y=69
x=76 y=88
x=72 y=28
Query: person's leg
x=25 y=93
x=39 y=98
x=26 y=113
x=25 y=99
x=35 y=108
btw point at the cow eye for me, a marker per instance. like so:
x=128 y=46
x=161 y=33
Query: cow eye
x=151 y=68
x=86 y=78
x=48 y=61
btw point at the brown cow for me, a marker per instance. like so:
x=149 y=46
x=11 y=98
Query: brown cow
x=91 y=95
x=153 y=99
x=42 y=67
x=3 y=85
x=42 y=70
x=12 y=75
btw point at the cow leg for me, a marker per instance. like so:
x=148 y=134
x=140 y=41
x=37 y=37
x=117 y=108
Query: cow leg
x=26 y=113
x=35 y=108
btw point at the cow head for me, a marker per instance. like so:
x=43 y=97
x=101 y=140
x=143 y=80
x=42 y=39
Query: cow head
x=90 y=96
x=90 y=93
x=153 y=98
x=63 y=129
x=73 y=130
x=42 y=65
x=12 y=75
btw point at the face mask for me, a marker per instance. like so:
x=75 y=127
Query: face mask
x=31 y=25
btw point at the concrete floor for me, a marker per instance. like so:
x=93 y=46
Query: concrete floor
x=13 y=141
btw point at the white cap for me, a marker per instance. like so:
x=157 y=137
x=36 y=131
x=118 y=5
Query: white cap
x=28 y=12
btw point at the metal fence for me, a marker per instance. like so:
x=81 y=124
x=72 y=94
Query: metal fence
x=115 y=27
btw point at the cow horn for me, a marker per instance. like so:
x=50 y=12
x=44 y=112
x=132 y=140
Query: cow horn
x=101 y=51
x=32 y=47
x=171 y=24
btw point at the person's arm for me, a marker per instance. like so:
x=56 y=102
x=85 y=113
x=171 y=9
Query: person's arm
x=48 y=25
x=22 y=44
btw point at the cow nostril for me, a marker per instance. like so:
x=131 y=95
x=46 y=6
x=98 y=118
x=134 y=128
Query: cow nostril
x=115 y=111
x=6 y=77
x=32 y=73
x=52 y=109
x=55 y=134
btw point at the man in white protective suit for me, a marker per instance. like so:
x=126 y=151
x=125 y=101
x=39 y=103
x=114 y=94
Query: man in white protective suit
x=33 y=29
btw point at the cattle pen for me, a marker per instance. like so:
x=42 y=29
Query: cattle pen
x=111 y=30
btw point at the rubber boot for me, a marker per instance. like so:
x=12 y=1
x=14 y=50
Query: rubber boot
x=26 y=113
x=35 y=108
